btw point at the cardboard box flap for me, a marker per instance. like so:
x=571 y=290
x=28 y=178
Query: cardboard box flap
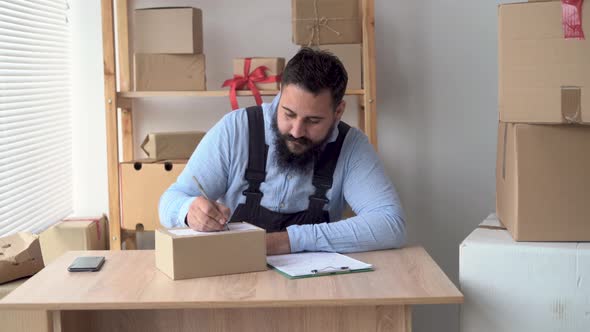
x=234 y=227
x=20 y=256
x=171 y=145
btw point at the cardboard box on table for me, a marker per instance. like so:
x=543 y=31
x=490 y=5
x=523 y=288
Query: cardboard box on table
x=169 y=72
x=522 y=286
x=334 y=22
x=142 y=184
x=182 y=253
x=171 y=145
x=543 y=77
x=168 y=30
x=543 y=181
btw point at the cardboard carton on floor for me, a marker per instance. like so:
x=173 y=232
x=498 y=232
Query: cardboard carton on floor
x=543 y=77
x=169 y=72
x=20 y=256
x=142 y=184
x=543 y=181
x=171 y=145
x=183 y=253
x=351 y=57
x=522 y=286
x=73 y=234
x=322 y=22
x=172 y=30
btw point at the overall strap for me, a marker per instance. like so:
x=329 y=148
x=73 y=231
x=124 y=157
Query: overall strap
x=257 y=153
x=323 y=174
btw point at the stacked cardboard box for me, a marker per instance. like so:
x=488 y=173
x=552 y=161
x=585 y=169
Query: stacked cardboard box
x=142 y=184
x=543 y=164
x=168 y=49
x=334 y=26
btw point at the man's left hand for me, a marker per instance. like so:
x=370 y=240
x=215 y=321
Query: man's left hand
x=277 y=243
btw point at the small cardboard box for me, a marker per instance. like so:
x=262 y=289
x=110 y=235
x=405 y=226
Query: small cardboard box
x=334 y=22
x=142 y=184
x=73 y=234
x=522 y=286
x=543 y=181
x=351 y=57
x=183 y=253
x=543 y=77
x=20 y=256
x=172 y=30
x=169 y=72
x=275 y=67
x=171 y=145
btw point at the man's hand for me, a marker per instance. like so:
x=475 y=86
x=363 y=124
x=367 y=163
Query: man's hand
x=277 y=243
x=204 y=216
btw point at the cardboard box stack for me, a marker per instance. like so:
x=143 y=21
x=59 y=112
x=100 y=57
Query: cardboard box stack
x=334 y=27
x=524 y=270
x=543 y=164
x=142 y=184
x=168 y=49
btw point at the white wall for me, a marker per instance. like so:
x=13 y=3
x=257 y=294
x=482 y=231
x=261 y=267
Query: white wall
x=89 y=143
x=437 y=98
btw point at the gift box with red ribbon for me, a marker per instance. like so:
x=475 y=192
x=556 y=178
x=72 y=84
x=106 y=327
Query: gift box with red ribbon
x=254 y=74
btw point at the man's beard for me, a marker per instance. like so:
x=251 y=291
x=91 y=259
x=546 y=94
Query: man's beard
x=288 y=161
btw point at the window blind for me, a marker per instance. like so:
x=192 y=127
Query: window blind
x=35 y=115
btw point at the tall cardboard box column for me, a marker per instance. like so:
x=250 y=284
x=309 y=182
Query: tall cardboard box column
x=543 y=181
x=543 y=77
x=142 y=184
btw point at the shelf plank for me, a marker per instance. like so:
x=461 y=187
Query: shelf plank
x=211 y=93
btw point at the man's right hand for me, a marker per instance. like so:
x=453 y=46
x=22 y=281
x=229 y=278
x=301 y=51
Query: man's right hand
x=204 y=216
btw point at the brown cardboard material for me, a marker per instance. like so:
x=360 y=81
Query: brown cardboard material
x=142 y=184
x=239 y=250
x=543 y=181
x=543 y=78
x=169 y=72
x=336 y=22
x=275 y=67
x=173 y=30
x=20 y=256
x=351 y=57
x=171 y=145
x=73 y=234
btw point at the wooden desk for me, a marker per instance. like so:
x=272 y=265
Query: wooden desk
x=130 y=294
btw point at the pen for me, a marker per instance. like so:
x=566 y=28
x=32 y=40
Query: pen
x=207 y=198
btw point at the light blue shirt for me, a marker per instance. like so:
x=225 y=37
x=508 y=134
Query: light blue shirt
x=220 y=160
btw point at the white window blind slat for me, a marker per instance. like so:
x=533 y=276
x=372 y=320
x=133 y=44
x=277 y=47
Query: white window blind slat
x=20 y=135
x=20 y=7
x=35 y=115
x=52 y=6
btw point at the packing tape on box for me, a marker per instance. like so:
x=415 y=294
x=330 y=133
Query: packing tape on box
x=571 y=104
x=94 y=220
x=571 y=17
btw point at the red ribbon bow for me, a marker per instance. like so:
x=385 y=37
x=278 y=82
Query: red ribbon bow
x=258 y=75
x=571 y=14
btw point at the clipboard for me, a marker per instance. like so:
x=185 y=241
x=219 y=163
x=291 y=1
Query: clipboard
x=316 y=264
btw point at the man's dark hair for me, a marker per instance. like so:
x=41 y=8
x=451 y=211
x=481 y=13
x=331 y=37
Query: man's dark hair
x=316 y=71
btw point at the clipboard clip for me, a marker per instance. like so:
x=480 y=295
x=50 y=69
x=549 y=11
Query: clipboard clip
x=330 y=270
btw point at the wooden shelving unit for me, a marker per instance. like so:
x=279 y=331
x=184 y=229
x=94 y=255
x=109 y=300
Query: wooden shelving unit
x=118 y=104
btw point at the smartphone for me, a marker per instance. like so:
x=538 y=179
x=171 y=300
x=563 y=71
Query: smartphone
x=86 y=263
